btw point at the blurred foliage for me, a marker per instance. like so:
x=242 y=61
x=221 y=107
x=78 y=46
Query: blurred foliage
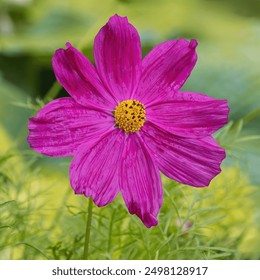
x=40 y=218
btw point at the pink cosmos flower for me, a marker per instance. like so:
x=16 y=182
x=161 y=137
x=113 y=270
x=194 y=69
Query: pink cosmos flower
x=126 y=120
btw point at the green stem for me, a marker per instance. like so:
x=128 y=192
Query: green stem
x=52 y=92
x=88 y=228
x=110 y=231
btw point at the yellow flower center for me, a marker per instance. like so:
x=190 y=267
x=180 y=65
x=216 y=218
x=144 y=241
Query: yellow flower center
x=130 y=115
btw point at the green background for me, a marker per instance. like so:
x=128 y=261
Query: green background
x=41 y=218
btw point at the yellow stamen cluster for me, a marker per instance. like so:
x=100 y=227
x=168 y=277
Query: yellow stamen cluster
x=130 y=115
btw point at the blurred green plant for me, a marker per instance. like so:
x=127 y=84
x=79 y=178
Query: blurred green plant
x=41 y=218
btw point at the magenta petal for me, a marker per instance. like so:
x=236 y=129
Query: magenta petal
x=94 y=170
x=166 y=68
x=189 y=115
x=62 y=125
x=189 y=161
x=80 y=79
x=140 y=181
x=118 y=57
